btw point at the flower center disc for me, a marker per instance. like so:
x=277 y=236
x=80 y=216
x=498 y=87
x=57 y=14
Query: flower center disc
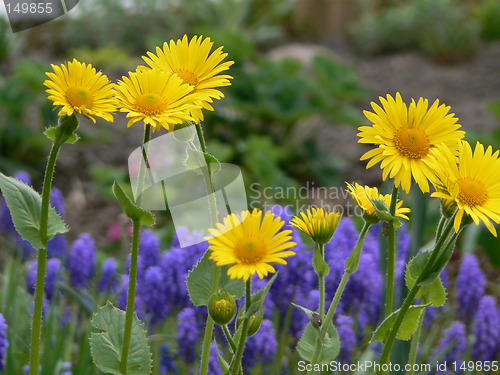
x=412 y=143
x=250 y=249
x=79 y=97
x=471 y=192
x=187 y=77
x=150 y=103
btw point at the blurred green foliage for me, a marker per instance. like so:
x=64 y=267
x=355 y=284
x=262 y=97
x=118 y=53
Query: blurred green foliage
x=268 y=108
x=24 y=112
x=443 y=29
x=488 y=14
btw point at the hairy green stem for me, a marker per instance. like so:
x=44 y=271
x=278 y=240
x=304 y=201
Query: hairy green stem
x=209 y=327
x=236 y=362
x=414 y=345
x=229 y=338
x=143 y=164
x=411 y=295
x=132 y=283
x=321 y=281
x=391 y=257
x=36 y=322
x=328 y=319
x=350 y=268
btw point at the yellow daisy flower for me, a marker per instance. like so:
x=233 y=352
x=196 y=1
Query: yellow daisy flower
x=362 y=195
x=250 y=243
x=79 y=88
x=193 y=62
x=318 y=224
x=472 y=180
x=405 y=137
x=157 y=98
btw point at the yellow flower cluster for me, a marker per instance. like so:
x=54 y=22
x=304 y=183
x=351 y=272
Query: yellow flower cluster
x=179 y=81
x=425 y=143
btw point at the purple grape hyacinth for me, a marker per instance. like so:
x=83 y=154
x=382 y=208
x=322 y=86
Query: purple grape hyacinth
x=347 y=337
x=81 y=261
x=470 y=284
x=4 y=344
x=451 y=347
x=54 y=274
x=485 y=328
x=109 y=276
x=261 y=347
x=154 y=294
x=188 y=334
x=149 y=248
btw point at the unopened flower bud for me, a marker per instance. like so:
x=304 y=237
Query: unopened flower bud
x=255 y=321
x=222 y=308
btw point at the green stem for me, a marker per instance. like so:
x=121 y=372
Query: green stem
x=391 y=257
x=321 y=281
x=142 y=165
x=350 y=268
x=236 y=362
x=132 y=281
x=414 y=345
x=411 y=295
x=36 y=323
x=229 y=338
x=328 y=319
x=209 y=327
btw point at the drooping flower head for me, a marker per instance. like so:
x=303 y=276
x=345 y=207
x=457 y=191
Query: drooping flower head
x=362 y=196
x=193 y=62
x=472 y=181
x=485 y=328
x=78 y=87
x=404 y=137
x=318 y=224
x=155 y=97
x=250 y=243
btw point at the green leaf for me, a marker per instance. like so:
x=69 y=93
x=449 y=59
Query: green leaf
x=407 y=328
x=330 y=348
x=200 y=282
x=259 y=298
x=106 y=343
x=197 y=160
x=25 y=206
x=51 y=133
x=320 y=266
x=433 y=292
x=224 y=366
x=130 y=208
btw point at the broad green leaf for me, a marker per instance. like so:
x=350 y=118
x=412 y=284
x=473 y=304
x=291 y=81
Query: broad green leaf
x=51 y=133
x=433 y=292
x=259 y=298
x=307 y=343
x=407 y=328
x=200 y=282
x=25 y=206
x=106 y=343
x=197 y=160
x=130 y=208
